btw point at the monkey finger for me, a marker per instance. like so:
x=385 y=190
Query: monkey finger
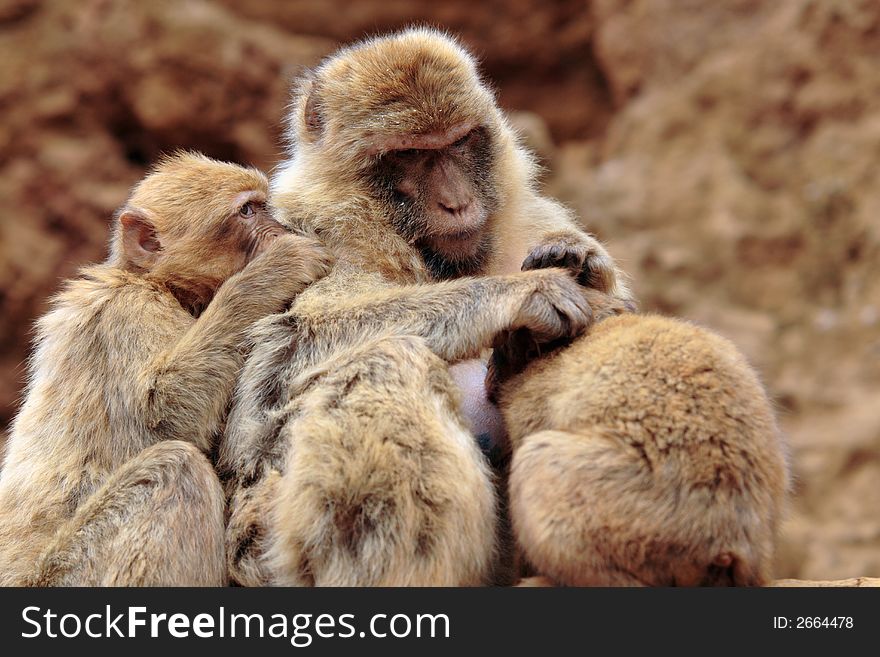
x=563 y=323
x=598 y=274
x=554 y=257
x=574 y=260
x=540 y=258
x=566 y=318
x=579 y=316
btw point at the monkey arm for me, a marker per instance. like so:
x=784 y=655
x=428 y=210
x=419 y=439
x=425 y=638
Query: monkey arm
x=188 y=387
x=457 y=319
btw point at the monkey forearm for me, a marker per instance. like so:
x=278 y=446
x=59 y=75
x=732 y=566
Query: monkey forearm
x=189 y=386
x=455 y=319
x=189 y=391
x=460 y=323
x=458 y=319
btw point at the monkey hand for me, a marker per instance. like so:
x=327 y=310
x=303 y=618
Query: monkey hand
x=558 y=309
x=515 y=349
x=604 y=305
x=283 y=270
x=579 y=253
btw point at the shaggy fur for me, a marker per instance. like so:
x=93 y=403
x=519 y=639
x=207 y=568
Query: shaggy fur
x=348 y=459
x=347 y=456
x=105 y=480
x=658 y=462
x=413 y=83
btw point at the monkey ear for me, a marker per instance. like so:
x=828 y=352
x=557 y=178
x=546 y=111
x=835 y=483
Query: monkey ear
x=140 y=242
x=312 y=115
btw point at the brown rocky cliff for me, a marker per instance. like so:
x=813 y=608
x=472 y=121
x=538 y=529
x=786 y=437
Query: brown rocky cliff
x=728 y=152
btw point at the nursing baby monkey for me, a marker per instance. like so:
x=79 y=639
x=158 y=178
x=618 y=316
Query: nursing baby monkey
x=105 y=480
x=347 y=458
x=657 y=461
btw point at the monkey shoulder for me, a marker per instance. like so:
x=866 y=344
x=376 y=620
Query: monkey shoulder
x=109 y=316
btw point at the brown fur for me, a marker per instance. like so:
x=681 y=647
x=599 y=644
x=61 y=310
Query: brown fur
x=105 y=480
x=645 y=453
x=348 y=459
x=413 y=88
x=352 y=179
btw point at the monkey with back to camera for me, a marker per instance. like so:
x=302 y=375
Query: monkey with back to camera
x=347 y=457
x=105 y=480
x=658 y=463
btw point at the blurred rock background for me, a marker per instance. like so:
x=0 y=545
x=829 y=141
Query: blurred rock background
x=727 y=151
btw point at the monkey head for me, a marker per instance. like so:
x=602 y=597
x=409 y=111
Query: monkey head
x=192 y=223
x=406 y=121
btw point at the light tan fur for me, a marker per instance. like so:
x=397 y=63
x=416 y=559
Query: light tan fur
x=347 y=458
x=645 y=453
x=414 y=83
x=105 y=479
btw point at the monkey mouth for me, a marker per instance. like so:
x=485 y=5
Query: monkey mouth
x=459 y=244
x=462 y=235
x=466 y=227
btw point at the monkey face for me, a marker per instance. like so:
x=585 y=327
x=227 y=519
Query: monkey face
x=222 y=245
x=440 y=193
x=407 y=121
x=193 y=223
x=253 y=225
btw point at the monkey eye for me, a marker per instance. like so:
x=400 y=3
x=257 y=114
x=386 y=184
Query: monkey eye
x=461 y=142
x=407 y=152
x=247 y=210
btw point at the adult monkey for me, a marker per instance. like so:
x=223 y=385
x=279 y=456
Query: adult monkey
x=348 y=460
x=402 y=128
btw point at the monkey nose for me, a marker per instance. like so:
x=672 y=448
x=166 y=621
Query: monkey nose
x=455 y=209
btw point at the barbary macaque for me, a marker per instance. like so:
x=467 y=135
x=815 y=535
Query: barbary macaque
x=658 y=462
x=426 y=146
x=106 y=481
x=402 y=128
x=347 y=457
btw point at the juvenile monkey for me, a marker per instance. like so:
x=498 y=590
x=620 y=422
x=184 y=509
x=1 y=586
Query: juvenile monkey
x=105 y=480
x=659 y=462
x=347 y=456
